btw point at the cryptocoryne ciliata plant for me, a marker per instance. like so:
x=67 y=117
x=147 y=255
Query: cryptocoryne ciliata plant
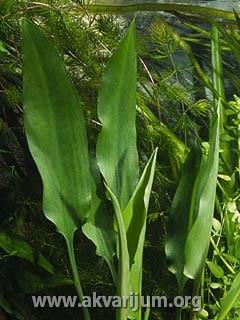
x=57 y=139
x=72 y=176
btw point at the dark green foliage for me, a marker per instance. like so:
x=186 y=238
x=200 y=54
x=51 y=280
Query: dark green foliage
x=173 y=108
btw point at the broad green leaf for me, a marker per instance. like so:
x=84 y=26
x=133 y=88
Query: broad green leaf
x=229 y=300
x=179 y=217
x=57 y=139
x=116 y=147
x=14 y=245
x=55 y=132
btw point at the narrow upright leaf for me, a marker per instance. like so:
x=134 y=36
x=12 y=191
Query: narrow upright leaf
x=135 y=214
x=179 y=217
x=116 y=148
x=204 y=193
x=135 y=219
x=187 y=249
x=203 y=202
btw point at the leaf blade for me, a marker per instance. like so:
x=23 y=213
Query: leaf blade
x=135 y=218
x=179 y=217
x=116 y=147
x=56 y=132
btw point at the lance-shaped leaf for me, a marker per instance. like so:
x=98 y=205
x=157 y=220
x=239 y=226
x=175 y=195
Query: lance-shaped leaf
x=219 y=88
x=202 y=206
x=135 y=213
x=116 y=147
x=179 y=217
x=204 y=193
x=187 y=249
x=192 y=211
x=57 y=139
x=135 y=217
x=55 y=131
